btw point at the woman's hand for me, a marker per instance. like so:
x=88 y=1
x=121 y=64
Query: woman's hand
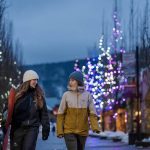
x=45 y=133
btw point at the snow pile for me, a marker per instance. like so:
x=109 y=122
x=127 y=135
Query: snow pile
x=146 y=140
x=111 y=135
x=105 y=134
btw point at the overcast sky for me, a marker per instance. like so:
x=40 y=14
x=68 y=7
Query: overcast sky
x=60 y=30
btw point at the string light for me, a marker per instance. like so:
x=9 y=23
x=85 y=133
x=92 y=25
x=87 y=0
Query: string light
x=104 y=74
x=5 y=77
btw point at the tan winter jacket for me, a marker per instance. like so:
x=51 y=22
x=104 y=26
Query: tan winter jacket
x=74 y=111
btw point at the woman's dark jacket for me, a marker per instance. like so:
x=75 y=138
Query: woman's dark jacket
x=27 y=114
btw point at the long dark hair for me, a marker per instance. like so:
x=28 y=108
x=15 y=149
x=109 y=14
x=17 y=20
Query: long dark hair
x=38 y=93
x=80 y=83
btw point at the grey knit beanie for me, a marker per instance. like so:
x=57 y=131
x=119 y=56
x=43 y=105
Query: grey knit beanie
x=77 y=75
x=30 y=75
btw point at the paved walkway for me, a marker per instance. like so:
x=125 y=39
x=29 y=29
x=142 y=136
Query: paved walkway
x=53 y=143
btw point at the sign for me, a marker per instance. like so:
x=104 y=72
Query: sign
x=129 y=64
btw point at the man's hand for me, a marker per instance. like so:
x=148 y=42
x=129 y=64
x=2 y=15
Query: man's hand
x=96 y=131
x=60 y=136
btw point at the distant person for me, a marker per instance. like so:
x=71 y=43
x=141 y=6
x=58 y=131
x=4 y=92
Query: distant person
x=75 y=108
x=29 y=112
x=53 y=129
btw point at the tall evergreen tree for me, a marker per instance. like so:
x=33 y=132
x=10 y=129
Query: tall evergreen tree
x=10 y=67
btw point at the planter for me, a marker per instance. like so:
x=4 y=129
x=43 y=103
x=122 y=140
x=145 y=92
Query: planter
x=103 y=137
x=134 y=137
x=143 y=144
x=116 y=139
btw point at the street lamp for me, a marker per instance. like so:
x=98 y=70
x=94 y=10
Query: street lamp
x=137 y=94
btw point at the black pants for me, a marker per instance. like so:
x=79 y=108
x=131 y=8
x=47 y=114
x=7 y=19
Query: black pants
x=75 y=141
x=24 y=138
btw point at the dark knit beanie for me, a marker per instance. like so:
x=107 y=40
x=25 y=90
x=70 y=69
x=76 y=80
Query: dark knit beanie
x=77 y=75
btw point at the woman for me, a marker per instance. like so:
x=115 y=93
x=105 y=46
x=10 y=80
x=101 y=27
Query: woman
x=75 y=108
x=29 y=112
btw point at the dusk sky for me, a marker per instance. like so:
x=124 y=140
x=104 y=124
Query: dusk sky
x=61 y=30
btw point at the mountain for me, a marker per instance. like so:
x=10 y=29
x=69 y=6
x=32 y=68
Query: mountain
x=54 y=76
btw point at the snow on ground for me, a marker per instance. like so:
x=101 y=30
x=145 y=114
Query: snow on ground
x=111 y=135
x=146 y=140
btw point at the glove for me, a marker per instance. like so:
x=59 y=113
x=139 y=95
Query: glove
x=60 y=136
x=45 y=133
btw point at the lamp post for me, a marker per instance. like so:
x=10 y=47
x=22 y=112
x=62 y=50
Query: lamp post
x=137 y=94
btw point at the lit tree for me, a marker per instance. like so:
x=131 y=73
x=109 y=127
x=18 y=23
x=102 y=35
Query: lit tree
x=117 y=51
x=10 y=67
x=76 y=65
x=99 y=78
x=104 y=75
